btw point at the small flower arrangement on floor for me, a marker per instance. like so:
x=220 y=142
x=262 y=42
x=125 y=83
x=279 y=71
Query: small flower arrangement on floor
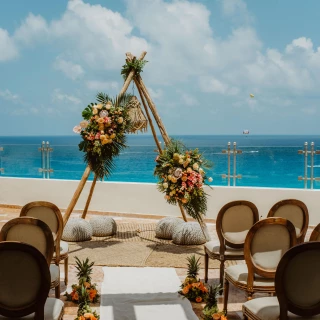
x=211 y=311
x=192 y=288
x=86 y=313
x=84 y=292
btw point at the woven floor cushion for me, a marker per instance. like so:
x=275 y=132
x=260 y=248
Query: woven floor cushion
x=188 y=233
x=103 y=226
x=76 y=230
x=166 y=226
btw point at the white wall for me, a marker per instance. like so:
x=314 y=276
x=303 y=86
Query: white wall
x=144 y=198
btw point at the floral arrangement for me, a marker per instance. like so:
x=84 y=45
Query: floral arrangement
x=181 y=175
x=103 y=131
x=210 y=310
x=84 y=292
x=192 y=288
x=86 y=313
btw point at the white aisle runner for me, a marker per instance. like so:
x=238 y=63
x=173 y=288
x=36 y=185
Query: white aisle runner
x=143 y=294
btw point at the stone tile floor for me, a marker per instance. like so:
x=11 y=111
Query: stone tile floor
x=236 y=296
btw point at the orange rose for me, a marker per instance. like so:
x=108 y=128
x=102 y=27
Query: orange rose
x=223 y=318
x=198 y=299
x=81 y=318
x=89 y=316
x=87 y=284
x=185 y=290
x=75 y=296
x=92 y=294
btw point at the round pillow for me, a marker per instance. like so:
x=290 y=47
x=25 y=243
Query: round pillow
x=165 y=227
x=188 y=233
x=77 y=229
x=103 y=226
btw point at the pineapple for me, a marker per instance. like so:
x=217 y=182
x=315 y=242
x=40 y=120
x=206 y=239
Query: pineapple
x=84 y=271
x=193 y=270
x=211 y=302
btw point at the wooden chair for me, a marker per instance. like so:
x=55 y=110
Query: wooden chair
x=51 y=215
x=295 y=211
x=233 y=223
x=265 y=244
x=315 y=235
x=297 y=284
x=36 y=233
x=25 y=284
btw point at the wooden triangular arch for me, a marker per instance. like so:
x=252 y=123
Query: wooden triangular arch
x=147 y=103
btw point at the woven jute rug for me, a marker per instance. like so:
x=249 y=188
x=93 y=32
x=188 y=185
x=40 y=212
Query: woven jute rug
x=136 y=245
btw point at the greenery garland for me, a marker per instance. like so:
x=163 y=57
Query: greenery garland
x=103 y=131
x=181 y=177
x=135 y=64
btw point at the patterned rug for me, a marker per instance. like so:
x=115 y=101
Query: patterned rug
x=136 y=245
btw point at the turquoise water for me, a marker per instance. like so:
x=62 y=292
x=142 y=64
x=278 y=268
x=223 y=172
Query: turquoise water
x=266 y=161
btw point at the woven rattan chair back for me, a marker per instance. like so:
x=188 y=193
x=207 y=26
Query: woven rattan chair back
x=295 y=211
x=234 y=220
x=31 y=231
x=315 y=235
x=50 y=214
x=265 y=244
x=24 y=281
x=298 y=281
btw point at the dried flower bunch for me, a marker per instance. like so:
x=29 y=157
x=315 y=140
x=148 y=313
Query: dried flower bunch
x=182 y=174
x=103 y=131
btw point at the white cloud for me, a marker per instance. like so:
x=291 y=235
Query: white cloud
x=9 y=96
x=32 y=29
x=8 y=50
x=70 y=69
x=58 y=96
x=155 y=94
x=211 y=84
x=236 y=9
x=102 y=85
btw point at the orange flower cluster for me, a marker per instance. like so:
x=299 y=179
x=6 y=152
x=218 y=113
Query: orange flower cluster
x=91 y=293
x=87 y=316
x=195 y=291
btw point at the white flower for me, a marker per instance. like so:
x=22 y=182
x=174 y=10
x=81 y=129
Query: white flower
x=84 y=124
x=210 y=179
x=181 y=161
x=120 y=120
x=94 y=110
x=103 y=113
x=99 y=106
x=165 y=185
x=77 y=129
x=177 y=173
x=195 y=166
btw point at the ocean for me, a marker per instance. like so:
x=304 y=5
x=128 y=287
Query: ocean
x=265 y=161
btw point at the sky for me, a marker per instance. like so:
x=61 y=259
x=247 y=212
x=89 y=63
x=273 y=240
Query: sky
x=204 y=57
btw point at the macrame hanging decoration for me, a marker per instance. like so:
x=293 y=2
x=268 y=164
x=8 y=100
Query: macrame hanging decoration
x=138 y=119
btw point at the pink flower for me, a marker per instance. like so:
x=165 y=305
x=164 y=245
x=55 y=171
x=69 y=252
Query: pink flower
x=106 y=120
x=97 y=137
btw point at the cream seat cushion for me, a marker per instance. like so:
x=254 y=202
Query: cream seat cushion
x=214 y=247
x=239 y=273
x=64 y=248
x=52 y=310
x=267 y=308
x=54 y=273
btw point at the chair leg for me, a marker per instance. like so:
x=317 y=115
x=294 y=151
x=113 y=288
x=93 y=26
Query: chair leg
x=249 y=296
x=225 y=295
x=221 y=273
x=57 y=291
x=206 y=267
x=66 y=267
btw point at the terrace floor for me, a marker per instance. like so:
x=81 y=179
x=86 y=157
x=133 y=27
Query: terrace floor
x=236 y=297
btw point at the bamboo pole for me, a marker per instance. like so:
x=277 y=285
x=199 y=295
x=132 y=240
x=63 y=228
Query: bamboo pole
x=149 y=118
x=154 y=111
x=156 y=116
x=86 y=173
x=84 y=213
x=76 y=195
